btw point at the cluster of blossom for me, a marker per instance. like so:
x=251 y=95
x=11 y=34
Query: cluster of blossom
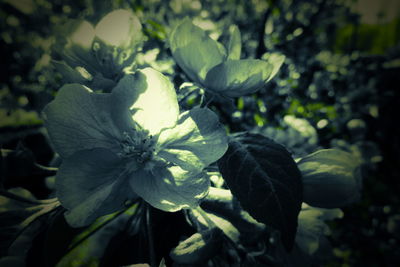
x=122 y=136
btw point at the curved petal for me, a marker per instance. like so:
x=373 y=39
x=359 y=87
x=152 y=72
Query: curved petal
x=79 y=36
x=194 y=51
x=79 y=119
x=170 y=189
x=198 y=140
x=235 y=78
x=92 y=183
x=156 y=106
x=235 y=43
x=119 y=28
x=82 y=34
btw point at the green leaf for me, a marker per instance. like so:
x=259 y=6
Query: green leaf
x=235 y=43
x=263 y=176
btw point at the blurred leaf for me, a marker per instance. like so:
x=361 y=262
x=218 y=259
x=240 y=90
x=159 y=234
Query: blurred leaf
x=19 y=117
x=266 y=181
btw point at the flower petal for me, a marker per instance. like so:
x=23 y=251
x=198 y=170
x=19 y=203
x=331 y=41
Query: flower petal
x=198 y=140
x=331 y=178
x=82 y=34
x=156 y=106
x=194 y=51
x=235 y=43
x=76 y=47
x=119 y=28
x=235 y=78
x=170 y=189
x=79 y=119
x=91 y=183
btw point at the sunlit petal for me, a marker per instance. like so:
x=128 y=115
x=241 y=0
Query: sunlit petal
x=118 y=28
x=170 y=189
x=156 y=106
x=82 y=34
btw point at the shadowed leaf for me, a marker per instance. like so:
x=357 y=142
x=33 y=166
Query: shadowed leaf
x=266 y=181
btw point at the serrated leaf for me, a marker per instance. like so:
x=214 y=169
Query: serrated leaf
x=265 y=179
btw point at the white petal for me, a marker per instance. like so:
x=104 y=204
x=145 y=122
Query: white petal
x=170 y=189
x=156 y=106
x=79 y=119
x=194 y=51
x=198 y=140
x=118 y=28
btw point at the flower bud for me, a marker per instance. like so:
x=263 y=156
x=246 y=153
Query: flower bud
x=331 y=178
x=311 y=230
x=198 y=248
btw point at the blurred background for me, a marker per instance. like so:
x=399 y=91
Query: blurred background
x=338 y=87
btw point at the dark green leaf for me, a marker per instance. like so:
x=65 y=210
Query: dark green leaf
x=266 y=181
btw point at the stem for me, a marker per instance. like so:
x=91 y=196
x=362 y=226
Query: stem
x=18 y=198
x=203 y=214
x=153 y=262
x=209 y=100
x=49 y=170
x=77 y=243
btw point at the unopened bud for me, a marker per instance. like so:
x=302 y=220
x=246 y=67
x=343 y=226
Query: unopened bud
x=198 y=248
x=331 y=178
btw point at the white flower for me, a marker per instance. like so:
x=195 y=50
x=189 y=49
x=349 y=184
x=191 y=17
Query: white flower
x=131 y=142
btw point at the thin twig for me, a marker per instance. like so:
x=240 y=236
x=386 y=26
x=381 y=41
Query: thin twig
x=18 y=198
x=203 y=214
x=153 y=262
x=80 y=241
x=49 y=170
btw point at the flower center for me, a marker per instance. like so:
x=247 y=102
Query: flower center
x=137 y=145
